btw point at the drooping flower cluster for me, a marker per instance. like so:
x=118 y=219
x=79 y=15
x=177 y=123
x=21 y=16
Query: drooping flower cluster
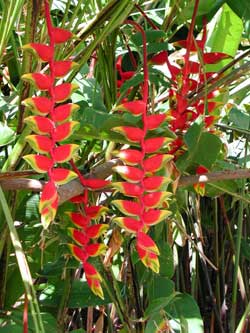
x=86 y=234
x=145 y=189
x=187 y=78
x=50 y=121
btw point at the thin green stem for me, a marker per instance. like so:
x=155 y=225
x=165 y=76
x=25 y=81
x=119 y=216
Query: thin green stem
x=23 y=267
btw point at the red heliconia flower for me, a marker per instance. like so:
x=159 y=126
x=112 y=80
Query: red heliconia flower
x=96 y=184
x=137 y=108
x=63 y=112
x=200 y=187
x=43 y=51
x=63 y=91
x=39 y=80
x=132 y=134
x=93 y=278
x=155 y=120
x=129 y=156
x=61 y=35
x=47 y=115
x=63 y=67
x=144 y=189
x=39 y=105
x=159 y=58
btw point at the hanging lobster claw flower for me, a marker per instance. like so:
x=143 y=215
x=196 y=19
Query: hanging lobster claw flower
x=137 y=107
x=156 y=162
x=65 y=130
x=63 y=67
x=41 y=144
x=128 y=207
x=62 y=176
x=96 y=184
x=39 y=80
x=96 y=230
x=129 y=156
x=39 y=163
x=63 y=91
x=129 y=173
x=39 y=105
x=93 y=279
x=155 y=183
x=147 y=251
x=78 y=253
x=155 y=199
x=95 y=249
x=78 y=219
x=154 y=216
x=200 y=187
x=61 y=35
x=132 y=134
x=63 y=112
x=155 y=120
x=131 y=190
x=81 y=238
x=43 y=51
x=129 y=224
x=95 y=212
x=152 y=145
x=64 y=153
x=39 y=124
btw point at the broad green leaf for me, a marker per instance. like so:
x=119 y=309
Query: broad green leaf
x=159 y=286
x=7 y=135
x=224 y=35
x=202 y=154
x=239 y=118
x=185 y=315
x=242 y=9
x=198 y=152
x=159 y=303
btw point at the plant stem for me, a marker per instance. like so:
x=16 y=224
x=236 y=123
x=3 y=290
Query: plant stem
x=23 y=267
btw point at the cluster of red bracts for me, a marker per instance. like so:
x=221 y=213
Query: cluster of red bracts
x=50 y=121
x=186 y=79
x=145 y=189
x=85 y=235
x=52 y=127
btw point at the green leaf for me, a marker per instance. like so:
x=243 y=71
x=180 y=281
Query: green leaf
x=158 y=304
x=203 y=155
x=7 y=135
x=239 y=118
x=224 y=35
x=245 y=247
x=242 y=9
x=185 y=314
x=166 y=260
x=198 y=152
x=80 y=296
x=159 y=286
x=151 y=36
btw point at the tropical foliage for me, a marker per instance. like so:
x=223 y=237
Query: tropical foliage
x=124 y=166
